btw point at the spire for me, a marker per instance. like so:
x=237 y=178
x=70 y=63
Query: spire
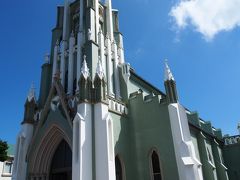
x=31 y=94
x=168 y=73
x=99 y=70
x=170 y=85
x=84 y=69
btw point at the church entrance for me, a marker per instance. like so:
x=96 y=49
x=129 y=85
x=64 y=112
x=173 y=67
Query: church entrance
x=61 y=167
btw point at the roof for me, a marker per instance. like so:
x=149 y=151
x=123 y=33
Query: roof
x=11 y=150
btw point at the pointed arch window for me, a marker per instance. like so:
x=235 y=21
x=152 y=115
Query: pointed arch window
x=119 y=167
x=155 y=166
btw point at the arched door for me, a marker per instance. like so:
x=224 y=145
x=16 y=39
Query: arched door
x=61 y=166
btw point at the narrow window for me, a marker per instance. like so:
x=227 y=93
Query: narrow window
x=156 y=171
x=119 y=169
x=7 y=169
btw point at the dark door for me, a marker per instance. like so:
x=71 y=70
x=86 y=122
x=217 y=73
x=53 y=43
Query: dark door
x=61 y=167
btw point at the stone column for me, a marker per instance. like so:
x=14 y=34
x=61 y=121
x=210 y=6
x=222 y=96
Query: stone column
x=102 y=50
x=71 y=64
x=82 y=143
x=64 y=42
x=109 y=66
x=80 y=42
x=104 y=143
x=121 y=50
x=55 y=59
x=96 y=19
x=116 y=73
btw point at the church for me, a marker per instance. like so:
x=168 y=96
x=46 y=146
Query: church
x=97 y=119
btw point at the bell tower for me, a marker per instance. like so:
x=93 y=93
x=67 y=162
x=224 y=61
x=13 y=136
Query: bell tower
x=87 y=28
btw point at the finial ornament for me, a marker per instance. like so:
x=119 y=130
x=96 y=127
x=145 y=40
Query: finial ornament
x=31 y=94
x=168 y=73
x=84 y=69
x=99 y=70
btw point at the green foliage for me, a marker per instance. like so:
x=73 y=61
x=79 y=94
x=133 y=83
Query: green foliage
x=3 y=150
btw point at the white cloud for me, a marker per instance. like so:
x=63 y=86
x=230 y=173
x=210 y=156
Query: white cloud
x=209 y=17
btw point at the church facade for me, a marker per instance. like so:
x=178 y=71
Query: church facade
x=96 y=119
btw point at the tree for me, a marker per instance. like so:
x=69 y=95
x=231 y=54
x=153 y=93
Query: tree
x=3 y=150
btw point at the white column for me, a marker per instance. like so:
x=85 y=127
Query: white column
x=104 y=143
x=25 y=136
x=116 y=73
x=109 y=19
x=109 y=66
x=82 y=143
x=71 y=64
x=102 y=50
x=80 y=42
x=16 y=159
x=97 y=19
x=79 y=57
x=189 y=167
x=121 y=50
x=55 y=59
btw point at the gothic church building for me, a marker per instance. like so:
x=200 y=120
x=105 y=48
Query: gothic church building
x=96 y=119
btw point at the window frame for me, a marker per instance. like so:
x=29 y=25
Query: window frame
x=151 y=165
x=7 y=174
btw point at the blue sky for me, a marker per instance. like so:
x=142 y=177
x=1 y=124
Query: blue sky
x=203 y=53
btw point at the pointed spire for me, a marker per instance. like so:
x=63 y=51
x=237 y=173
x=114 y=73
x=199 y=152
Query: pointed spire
x=99 y=70
x=168 y=73
x=84 y=69
x=31 y=94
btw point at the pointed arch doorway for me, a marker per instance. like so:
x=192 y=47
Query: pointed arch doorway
x=61 y=165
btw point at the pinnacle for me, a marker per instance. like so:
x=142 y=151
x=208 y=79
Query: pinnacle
x=84 y=69
x=168 y=73
x=31 y=94
x=99 y=70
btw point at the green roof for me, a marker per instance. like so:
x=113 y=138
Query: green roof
x=11 y=150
